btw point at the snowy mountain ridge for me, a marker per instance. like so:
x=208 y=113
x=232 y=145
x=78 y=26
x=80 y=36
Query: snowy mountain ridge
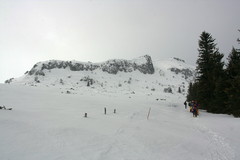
x=142 y=64
x=140 y=74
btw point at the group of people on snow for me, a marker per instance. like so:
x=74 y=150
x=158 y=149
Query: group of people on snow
x=193 y=106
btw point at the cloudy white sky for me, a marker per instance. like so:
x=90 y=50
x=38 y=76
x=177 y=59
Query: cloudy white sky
x=98 y=30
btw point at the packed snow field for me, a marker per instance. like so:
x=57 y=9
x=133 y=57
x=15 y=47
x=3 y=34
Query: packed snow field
x=49 y=124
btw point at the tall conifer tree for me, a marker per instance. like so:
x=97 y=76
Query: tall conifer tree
x=217 y=104
x=209 y=69
x=233 y=89
x=209 y=61
x=192 y=92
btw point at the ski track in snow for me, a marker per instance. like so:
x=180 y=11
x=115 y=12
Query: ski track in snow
x=120 y=145
x=218 y=148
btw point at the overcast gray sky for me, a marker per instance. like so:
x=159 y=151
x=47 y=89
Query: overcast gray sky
x=98 y=30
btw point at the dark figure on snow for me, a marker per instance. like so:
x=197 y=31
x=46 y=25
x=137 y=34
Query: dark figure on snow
x=195 y=109
x=185 y=103
x=190 y=104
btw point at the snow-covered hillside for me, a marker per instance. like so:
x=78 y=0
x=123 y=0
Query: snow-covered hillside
x=49 y=103
x=138 y=75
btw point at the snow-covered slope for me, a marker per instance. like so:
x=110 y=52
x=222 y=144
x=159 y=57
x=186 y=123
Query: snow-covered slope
x=49 y=103
x=46 y=124
x=130 y=76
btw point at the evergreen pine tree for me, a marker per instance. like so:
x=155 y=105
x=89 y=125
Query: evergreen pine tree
x=189 y=95
x=209 y=68
x=217 y=78
x=233 y=89
x=192 y=92
x=233 y=66
x=216 y=89
x=218 y=104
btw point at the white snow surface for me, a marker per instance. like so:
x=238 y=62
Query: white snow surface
x=46 y=124
x=47 y=121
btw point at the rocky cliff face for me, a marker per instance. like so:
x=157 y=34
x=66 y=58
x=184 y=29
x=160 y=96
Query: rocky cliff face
x=170 y=76
x=185 y=71
x=142 y=64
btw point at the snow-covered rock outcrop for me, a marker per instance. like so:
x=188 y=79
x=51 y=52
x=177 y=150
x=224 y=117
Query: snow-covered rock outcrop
x=142 y=64
x=138 y=75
